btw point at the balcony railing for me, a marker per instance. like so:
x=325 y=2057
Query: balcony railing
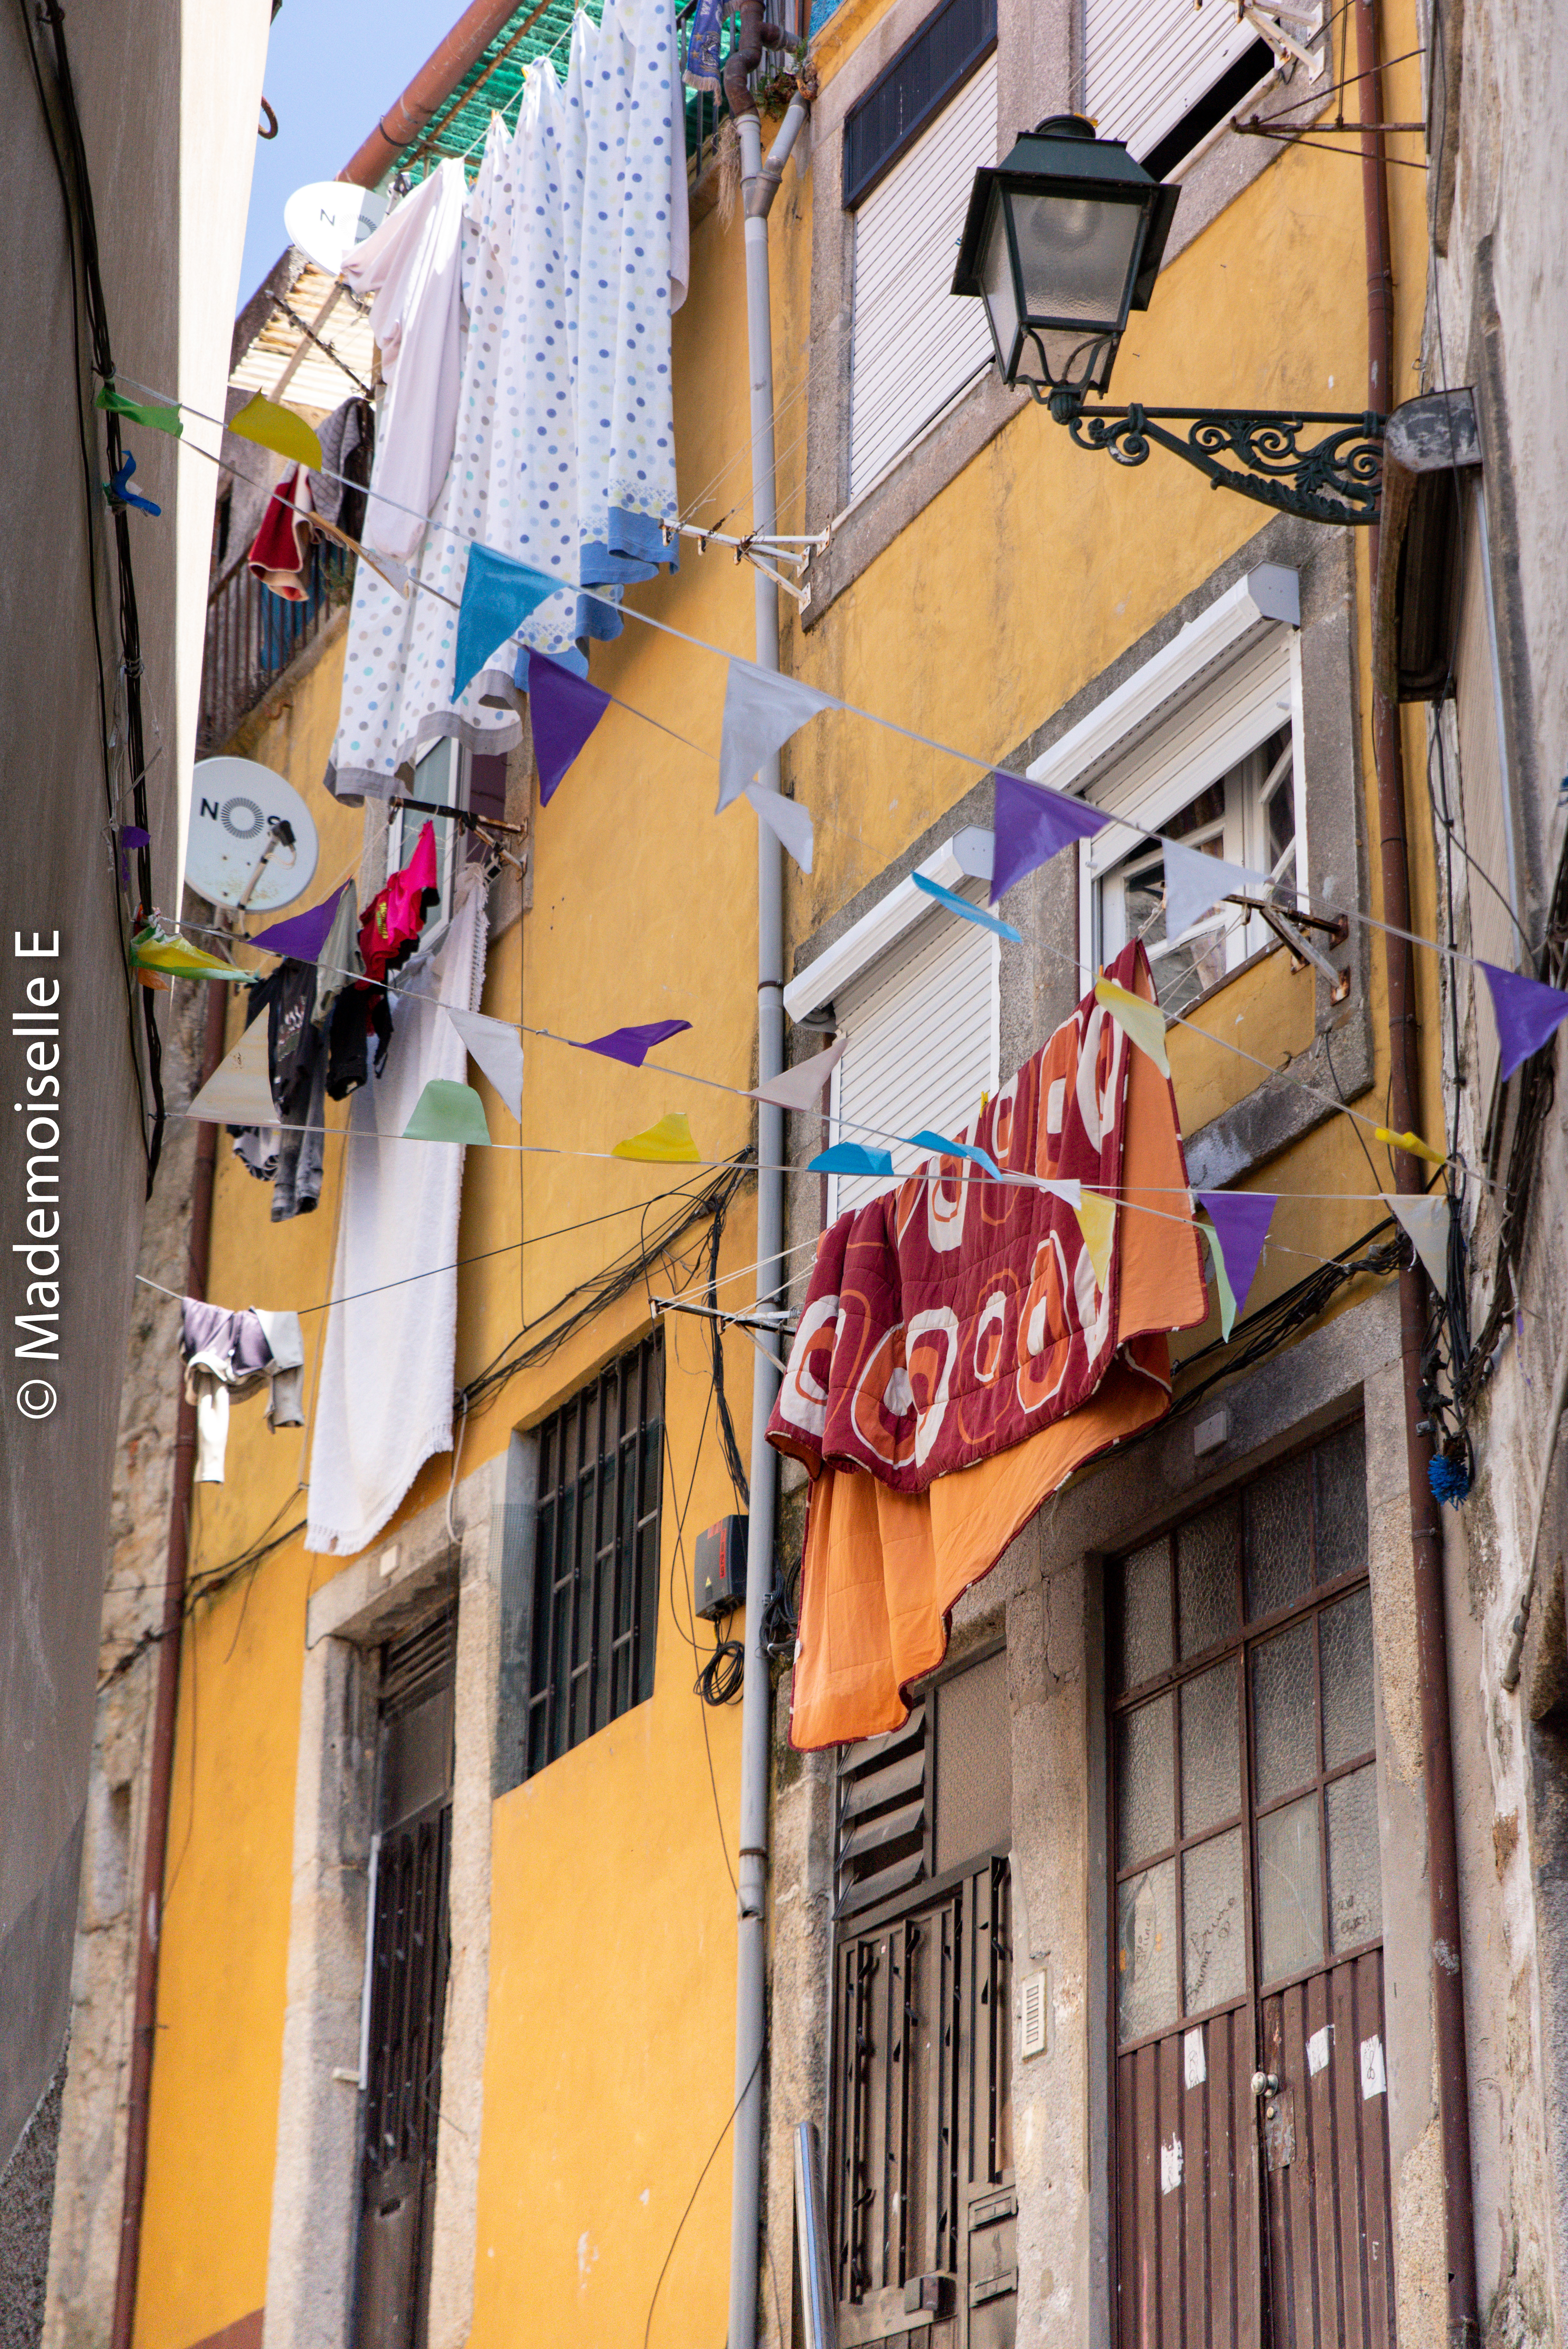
x=253 y=636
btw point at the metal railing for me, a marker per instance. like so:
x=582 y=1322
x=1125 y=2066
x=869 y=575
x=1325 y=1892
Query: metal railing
x=254 y=634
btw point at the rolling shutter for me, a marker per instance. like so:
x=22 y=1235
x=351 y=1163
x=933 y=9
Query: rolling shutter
x=1484 y=783
x=915 y=344
x=923 y=1037
x=1148 y=63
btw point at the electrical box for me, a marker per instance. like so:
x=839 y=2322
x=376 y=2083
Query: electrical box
x=719 y=1574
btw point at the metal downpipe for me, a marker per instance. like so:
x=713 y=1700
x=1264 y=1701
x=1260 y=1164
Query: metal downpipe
x=1446 y=1953
x=759 y=185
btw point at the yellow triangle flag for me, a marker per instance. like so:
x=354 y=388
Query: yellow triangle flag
x=278 y=429
x=1097 y=1222
x=668 y=1144
x=151 y=952
x=1144 y=1022
x=1412 y=1143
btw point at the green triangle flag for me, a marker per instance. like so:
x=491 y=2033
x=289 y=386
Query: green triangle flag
x=152 y=413
x=446 y=1112
x=279 y=429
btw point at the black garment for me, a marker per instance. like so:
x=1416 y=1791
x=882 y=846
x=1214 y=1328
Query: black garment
x=348 y=449
x=288 y=997
x=358 y=1012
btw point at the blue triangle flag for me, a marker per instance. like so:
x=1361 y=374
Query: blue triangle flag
x=850 y=1158
x=499 y=594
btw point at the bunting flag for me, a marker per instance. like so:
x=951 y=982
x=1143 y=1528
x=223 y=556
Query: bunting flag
x=1241 y=1220
x=1528 y=1014
x=667 y=1143
x=448 y=1111
x=850 y=1158
x=1223 y=1290
x=151 y=950
x=1097 y=1222
x=1195 y=882
x=785 y=818
x=801 y=1087
x=761 y=710
x=1425 y=1217
x=497 y=1047
x=302 y=935
x=238 y=1092
x=152 y=413
x=279 y=429
x=956 y=904
x=131 y=835
x=118 y=491
x=563 y=710
x=926 y=1139
x=1411 y=1143
x=499 y=594
x=1144 y=1022
x=1033 y=825
x=632 y=1045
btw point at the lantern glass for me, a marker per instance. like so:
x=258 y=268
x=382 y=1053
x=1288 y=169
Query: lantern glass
x=997 y=282
x=1076 y=256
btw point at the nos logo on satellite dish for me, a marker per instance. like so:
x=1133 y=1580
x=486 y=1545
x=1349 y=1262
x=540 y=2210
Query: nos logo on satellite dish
x=252 y=841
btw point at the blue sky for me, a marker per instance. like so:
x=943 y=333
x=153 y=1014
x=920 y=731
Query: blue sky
x=332 y=69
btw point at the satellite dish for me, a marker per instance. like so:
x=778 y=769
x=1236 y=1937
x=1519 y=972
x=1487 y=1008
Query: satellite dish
x=252 y=841
x=329 y=218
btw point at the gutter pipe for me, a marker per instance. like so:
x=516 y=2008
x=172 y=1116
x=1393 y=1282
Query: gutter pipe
x=434 y=83
x=160 y=1766
x=1426 y=1526
x=759 y=183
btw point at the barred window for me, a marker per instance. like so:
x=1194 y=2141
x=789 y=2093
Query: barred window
x=596 y=1555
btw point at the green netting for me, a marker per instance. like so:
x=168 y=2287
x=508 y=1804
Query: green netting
x=495 y=83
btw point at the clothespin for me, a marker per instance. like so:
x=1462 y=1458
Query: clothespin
x=118 y=493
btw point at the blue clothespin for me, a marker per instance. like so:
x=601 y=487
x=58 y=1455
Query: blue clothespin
x=119 y=494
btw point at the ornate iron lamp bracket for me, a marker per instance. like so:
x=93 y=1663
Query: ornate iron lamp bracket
x=1338 y=478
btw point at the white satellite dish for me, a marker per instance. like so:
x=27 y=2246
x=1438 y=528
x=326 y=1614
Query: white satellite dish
x=252 y=840
x=329 y=218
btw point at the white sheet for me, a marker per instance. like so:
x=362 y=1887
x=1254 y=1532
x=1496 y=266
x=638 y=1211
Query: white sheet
x=386 y=1399
x=412 y=265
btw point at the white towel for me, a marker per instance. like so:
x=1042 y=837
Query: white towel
x=386 y=1399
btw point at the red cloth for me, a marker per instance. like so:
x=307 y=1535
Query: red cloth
x=395 y=917
x=281 y=549
x=952 y=1319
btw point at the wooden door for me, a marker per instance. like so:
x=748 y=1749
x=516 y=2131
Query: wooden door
x=1250 y=2144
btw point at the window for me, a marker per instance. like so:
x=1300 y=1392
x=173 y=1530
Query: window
x=451 y=776
x=912 y=91
x=920 y=2162
x=913 y=348
x=595 y=1590
x=1248 y=817
x=1164 y=74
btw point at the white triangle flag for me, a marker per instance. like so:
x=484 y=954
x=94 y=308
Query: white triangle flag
x=787 y=818
x=1193 y=883
x=1427 y=1221
x=801 y=1087
x=497 y=1048
x=761 y=710
x=239 y=1091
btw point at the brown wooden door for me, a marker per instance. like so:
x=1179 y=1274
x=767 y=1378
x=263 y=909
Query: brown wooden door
x=1251 y=2147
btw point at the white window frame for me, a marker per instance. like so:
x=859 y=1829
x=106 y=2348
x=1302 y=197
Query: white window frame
x=963 y=864
x=1146 y=751
x=405 y=825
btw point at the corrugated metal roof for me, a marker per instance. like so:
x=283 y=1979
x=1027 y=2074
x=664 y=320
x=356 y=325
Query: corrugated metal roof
x=316 y=381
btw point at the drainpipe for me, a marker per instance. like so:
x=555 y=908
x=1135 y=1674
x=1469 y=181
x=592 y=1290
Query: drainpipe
x=160 y=1767
x=434 y=83
x=1426 y=1524
x=759 y=183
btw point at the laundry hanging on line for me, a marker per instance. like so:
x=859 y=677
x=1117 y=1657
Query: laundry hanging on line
x=230 y=1356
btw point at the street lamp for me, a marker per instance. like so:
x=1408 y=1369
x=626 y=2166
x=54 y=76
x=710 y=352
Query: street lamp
x=1063 y=239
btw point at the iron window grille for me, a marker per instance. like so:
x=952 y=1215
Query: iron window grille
x=596 y=1555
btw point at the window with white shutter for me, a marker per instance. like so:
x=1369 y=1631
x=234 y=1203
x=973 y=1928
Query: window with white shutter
x=1161 y=74
x=1493 y=872
x=915 y=346
x=923 y=1022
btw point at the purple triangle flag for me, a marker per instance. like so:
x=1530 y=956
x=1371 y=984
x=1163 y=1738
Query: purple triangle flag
x=632 y=1045
x=1527 y=1014
x=1241 y=1221
x=564 y=709
x=302 y=935
x=131 y=835
x=1031 y=824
